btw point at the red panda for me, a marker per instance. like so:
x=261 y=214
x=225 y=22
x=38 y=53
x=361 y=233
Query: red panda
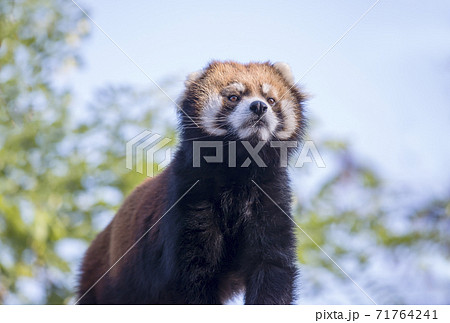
x=199 y=234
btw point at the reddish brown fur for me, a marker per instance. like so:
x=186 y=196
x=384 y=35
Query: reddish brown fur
x=252 y=75
x=124 y=230
x=212 y=81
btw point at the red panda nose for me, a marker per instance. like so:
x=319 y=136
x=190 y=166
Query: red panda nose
x=258 y=107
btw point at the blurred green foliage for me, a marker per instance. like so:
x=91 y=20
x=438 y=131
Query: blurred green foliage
x=371 y=227
x=53 y=171
x=62 y=176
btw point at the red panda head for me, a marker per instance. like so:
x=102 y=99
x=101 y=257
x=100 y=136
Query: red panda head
x=244 y=102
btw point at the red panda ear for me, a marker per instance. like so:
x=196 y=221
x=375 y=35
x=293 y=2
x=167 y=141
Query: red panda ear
x=285 y=70
x=192 y=77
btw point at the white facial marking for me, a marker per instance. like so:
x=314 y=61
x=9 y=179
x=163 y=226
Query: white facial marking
x=243 y=121
x=210 y=115
x=238 y=86
x=246 y=132
x=289 y=118
x=266 y=88
x=264 y=134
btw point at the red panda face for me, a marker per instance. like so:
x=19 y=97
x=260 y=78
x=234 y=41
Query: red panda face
x=251 y=101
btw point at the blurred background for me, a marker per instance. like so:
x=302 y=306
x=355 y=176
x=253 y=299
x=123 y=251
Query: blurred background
x=379 y=114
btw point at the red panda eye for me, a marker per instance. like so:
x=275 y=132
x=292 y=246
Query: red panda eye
x=233 y=98
x=271 y=101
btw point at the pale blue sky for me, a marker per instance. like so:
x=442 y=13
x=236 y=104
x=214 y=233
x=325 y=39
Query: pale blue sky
x=385 y=86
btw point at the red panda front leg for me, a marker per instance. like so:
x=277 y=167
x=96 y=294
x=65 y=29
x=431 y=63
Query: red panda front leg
x=269 y=256
x=200 y=250
x=269 y=284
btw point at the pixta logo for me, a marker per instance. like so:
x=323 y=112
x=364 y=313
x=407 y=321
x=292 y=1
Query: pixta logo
x=150 y=152
x=148 y=149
